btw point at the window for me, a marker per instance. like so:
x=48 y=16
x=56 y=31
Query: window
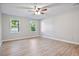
x=33 y=25
x=14 y=24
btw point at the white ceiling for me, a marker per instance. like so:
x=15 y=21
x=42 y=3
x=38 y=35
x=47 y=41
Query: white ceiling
x=11 y=9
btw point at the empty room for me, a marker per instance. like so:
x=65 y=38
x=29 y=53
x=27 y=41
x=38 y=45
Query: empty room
x=39 y=29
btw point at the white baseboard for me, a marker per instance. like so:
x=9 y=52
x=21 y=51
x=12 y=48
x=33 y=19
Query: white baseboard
x=45 y=36
x=21 y=38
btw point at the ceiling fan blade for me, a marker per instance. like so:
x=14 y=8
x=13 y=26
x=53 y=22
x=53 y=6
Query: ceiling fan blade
x=51 y=5
x=44 y=9
x=42 y=13
x=22 y=7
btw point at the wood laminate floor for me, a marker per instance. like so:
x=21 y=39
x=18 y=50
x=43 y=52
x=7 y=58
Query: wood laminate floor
x=38 y=47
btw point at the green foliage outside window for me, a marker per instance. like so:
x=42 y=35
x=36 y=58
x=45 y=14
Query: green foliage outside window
x=14 y=23
x=33 y=26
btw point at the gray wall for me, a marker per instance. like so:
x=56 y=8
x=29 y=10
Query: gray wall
x=24 y=28
x=0 y=30
x=64 y=26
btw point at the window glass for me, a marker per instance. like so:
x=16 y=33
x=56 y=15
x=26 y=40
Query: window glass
x=14 y=24
x=33 y=25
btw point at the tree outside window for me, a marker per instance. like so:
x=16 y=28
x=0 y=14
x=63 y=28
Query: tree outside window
x=14 y=24
x=33 y=26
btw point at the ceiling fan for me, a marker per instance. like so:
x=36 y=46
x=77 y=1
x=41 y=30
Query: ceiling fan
x=38 y=10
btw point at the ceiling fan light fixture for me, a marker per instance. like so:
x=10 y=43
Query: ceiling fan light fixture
x=37 y=13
